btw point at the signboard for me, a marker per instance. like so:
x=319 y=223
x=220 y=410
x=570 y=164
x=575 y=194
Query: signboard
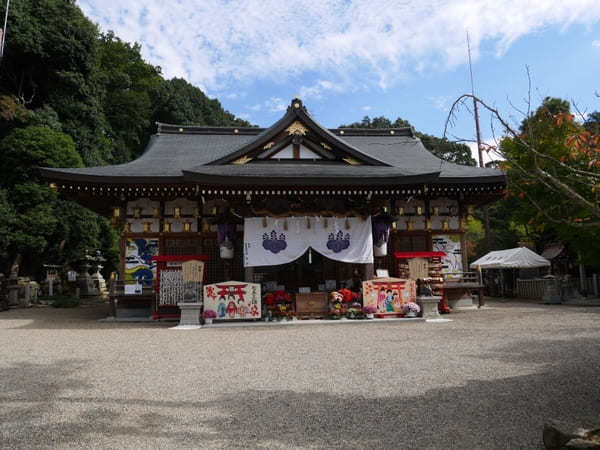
x=233 y=300
x=450 y=244
x=389 y=295
x=139 y=266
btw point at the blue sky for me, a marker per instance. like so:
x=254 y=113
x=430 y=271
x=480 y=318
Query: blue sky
x=346 y=59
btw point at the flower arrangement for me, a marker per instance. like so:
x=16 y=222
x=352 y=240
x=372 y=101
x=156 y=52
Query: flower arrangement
x=349 y=296
x=411 y=308
x=277 y=297
x=209 y=314
x=370 y=309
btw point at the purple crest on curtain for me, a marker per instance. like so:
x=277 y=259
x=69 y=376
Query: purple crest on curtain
x=226 y=231
x=381 y=231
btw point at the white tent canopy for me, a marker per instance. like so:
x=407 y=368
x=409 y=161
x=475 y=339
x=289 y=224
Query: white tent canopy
x=513 y=258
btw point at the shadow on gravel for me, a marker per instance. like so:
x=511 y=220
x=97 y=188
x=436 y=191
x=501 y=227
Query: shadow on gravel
x=48 y=405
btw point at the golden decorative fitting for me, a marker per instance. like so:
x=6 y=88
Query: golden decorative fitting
x=181 y=130
x=428 y=224
x=410 y=225
x=205 y=226
x=436 y=210
x=268 y=145
x=470 y=209
x=196 y=212
x=243 y=160
x=394 y=225
x=53 y=186
x=177 y=212
x=264 y=221
x=116 y=212
x=187 y=227
x=147 y=227
x=419 y=210
x=352 y=161
x=392 y=132
x=236 y=131
x=325 y=146
x=297 y=129
x=401 y=211
x=155 y=211
x=445 y=225
x=214 y=210
x=126 y=227
x=167 y=227
x=137 y=212
x=296 y=105
x=453 y=210
x=341 y=131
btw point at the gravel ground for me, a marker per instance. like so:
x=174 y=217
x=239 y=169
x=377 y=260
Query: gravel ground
x=488 y=379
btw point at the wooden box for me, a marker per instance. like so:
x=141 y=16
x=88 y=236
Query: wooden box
x=313 y=305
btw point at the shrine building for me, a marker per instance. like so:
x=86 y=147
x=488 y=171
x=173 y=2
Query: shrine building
x=295 y=207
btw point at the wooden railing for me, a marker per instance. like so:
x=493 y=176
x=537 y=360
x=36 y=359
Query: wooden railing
x=533 y=288
x=462 y=277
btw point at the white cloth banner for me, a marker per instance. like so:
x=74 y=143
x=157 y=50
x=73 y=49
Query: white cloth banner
x=273 y=245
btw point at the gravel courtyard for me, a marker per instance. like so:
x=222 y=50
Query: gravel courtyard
x=488 y=379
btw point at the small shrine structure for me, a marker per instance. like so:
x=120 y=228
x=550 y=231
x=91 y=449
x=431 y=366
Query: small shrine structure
x=296 y=206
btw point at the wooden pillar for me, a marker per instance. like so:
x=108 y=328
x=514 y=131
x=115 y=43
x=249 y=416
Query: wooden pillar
x=369 y=271
x=249 y=274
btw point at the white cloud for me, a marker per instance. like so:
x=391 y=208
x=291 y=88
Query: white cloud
x=366 y=108
x=276 y=104
x=596 y=43
x=440 y=102
x=218 y=43
x=256 y=107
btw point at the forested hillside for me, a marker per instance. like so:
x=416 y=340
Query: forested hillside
x=73 y=96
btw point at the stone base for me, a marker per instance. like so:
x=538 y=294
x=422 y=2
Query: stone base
x=190 y=314
x=429 y=306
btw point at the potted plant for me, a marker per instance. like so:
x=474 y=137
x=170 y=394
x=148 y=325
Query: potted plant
x=370 y=311
x=411 y=309
x=208 y=315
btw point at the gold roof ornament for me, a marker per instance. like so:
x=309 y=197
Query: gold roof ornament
x=297 y=129
x=243 y=160
x=325 y=146
x=268 y=145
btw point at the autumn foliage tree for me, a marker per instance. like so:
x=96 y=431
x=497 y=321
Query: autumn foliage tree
x=553 y=166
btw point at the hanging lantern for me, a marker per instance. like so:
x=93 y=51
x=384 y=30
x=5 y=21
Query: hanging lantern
x=381 y=233
x=226 y=234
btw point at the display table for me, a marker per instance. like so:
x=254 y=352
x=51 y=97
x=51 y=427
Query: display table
x=313 y=305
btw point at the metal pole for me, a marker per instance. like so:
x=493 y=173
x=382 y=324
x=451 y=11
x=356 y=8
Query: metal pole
x=486 y=217
x=4 y=29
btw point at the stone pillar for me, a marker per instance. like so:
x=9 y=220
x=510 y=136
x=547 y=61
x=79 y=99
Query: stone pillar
x=190 y=314
x=429 y=306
